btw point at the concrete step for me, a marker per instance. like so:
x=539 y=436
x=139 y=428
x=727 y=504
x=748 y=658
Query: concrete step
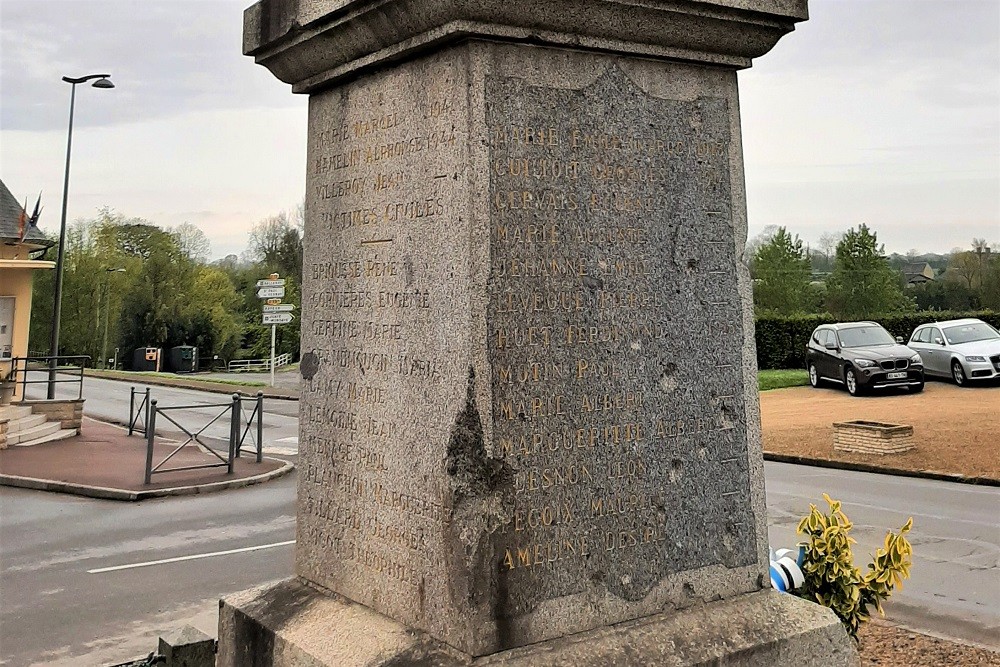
x=33 y=433
x=13 y=412
x=60 y=434
x=25 y=423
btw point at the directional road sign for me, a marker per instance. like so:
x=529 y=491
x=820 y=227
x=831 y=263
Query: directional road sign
x=271 y=283
x=277 y=318
x=279 y=308
x=270 y=292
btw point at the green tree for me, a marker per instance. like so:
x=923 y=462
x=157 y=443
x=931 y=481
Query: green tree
x=862 y=284
x=781 y=273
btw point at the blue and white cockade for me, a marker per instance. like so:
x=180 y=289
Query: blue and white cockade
x=786 y=569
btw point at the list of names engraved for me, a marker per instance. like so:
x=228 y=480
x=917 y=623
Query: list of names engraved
x=383 y=159
x=615 y=335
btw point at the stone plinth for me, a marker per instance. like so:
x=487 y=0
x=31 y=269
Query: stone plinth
x=867 y=437
x=292 y=624
x=529 y=408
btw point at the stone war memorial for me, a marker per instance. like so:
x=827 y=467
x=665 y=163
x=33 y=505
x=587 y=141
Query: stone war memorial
x=529 y=429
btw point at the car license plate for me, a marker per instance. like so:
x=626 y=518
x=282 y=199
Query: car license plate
x=895 y=376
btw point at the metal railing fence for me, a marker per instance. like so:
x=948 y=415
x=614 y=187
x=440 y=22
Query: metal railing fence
x=237 y=434
x=142 y=411
x=62 y=365
x=256 y=417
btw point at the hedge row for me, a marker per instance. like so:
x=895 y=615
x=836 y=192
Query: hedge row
x=781 y=341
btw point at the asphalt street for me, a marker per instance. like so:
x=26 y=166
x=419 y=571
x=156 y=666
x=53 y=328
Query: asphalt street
x=95 y=582
x=55 y=611
x=954 y=590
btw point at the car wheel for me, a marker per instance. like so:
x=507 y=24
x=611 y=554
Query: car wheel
x=813 y=376
x=851 y=380
x=958 y=373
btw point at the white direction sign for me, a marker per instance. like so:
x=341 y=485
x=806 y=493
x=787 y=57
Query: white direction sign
x=271 y=292
x=277 y=318
x=271 y=283
x=279 y=308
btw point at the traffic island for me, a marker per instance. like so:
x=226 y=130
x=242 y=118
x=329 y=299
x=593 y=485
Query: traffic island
x=104 y=462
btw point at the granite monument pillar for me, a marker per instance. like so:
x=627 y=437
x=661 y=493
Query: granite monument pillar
x=529 y=430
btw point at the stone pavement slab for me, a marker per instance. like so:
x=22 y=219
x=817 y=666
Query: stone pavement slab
x=105 y=462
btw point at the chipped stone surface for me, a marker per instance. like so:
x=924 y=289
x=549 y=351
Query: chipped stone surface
x=524 y=411
x=292 y=625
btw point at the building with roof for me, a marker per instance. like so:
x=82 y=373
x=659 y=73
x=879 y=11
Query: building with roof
x=22 y=245
x=918 y=273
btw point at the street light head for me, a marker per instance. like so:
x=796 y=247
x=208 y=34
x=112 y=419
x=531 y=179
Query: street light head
x=103 y=83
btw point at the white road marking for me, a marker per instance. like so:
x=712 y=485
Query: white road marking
x=191 y=557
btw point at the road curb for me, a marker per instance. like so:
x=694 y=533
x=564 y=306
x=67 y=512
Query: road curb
x=881 y=470
x=109 y=493
x=194 y=383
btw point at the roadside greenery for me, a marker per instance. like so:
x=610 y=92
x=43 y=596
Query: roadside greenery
x=832 y=579
x=185 y=377
x=129 y=284
x=779 y=379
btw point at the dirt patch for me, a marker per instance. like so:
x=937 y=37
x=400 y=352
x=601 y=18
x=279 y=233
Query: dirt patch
x=884 y=645
x=955 y=429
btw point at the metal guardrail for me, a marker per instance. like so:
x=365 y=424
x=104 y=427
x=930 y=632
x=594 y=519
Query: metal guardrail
x=244 y=365
x=237 y=434
x=20 y=366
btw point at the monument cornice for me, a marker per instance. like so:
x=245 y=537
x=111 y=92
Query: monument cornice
x=312 y=45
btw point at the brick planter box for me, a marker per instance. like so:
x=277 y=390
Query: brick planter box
x=864 y=437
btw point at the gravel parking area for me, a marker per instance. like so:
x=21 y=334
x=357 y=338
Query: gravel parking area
x=884 y=645
x=955 y=429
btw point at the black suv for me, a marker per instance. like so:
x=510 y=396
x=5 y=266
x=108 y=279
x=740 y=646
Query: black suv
x=862 y=356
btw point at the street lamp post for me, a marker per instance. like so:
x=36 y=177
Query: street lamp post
x=103 y=81
x=107 y=315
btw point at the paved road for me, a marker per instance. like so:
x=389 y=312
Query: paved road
x=54 y=611
x=109 y=400
x=955 y=586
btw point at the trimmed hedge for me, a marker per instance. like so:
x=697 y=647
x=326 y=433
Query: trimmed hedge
x=781 y=340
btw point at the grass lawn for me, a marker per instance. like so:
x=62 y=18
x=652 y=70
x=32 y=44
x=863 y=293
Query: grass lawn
x=783 y=378
x=118 y=375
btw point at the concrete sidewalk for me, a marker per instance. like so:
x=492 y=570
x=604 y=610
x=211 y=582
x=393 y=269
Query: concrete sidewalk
x=104 y=462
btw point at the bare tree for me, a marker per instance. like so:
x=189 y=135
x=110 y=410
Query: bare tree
x=192 y=242
x=828 y=243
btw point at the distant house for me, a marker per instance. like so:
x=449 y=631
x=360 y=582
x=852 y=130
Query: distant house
x=20 y=243
x=918 y=273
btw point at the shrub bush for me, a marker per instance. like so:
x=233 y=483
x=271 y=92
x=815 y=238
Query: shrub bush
x=781 y=340
x=831 y=578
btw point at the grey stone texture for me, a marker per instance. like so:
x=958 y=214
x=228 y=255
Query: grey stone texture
x=528 y=409
x=313 y=43
x=187 y=647
x=295 y=625
x=525 y=310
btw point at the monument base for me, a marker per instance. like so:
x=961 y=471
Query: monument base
x=292 y=624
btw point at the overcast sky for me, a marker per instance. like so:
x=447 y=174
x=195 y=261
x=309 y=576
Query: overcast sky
x=883 y=112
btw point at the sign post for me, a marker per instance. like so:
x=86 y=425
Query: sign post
x=274 y=312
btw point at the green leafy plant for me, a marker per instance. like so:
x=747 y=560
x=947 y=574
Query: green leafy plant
x=831 y=578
